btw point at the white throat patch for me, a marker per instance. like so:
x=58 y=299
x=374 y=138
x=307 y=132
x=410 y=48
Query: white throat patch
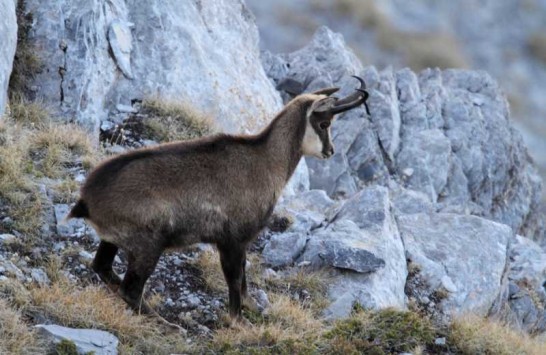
x=312 y=145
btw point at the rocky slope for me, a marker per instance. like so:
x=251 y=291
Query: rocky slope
x=430 y=203
x=506 y=39
x=436 y=176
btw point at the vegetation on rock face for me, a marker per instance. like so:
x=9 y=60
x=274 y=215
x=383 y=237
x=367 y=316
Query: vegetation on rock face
x=172 y=121
x=26 y=63
x=537 y=46
x=419 y=50
x=33 y=146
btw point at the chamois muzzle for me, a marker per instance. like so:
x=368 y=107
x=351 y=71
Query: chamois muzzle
x=354 y=100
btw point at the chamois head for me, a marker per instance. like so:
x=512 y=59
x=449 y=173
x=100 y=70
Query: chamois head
x=317 y=140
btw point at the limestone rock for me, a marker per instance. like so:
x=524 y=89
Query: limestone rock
x=364 y=223
x=8 y=38
x=283 y=249
x=462 y=258
x=445 y=134
x=341 y=245
x=525 y=313
x=69 y=228
x=99 y=57
x=307 y=210
x=87 y=341
x=528 y=264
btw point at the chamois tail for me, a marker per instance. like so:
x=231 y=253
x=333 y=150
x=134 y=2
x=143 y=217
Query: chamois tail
x=78 y=211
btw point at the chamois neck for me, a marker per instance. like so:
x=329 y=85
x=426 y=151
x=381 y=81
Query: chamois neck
x=284 y=137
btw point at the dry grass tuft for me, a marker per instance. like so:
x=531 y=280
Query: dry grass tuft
x=423 y=50
x=173 y=121
x=420 y=50
x=93 y=307
x=314 y=282
x=16 y=189
x=474 y=335
x=290 y=314
x=33 y=114
x=208 y=263
x=32 y=145
x=536 y=43
x=14 y=159
x=66 y=191
x=285 y=320
x=365 y=12
x=14 y=292
x=386 y=331
x=58 y=145
x=16 y=337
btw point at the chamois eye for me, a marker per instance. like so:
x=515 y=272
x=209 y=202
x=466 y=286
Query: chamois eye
x=324 y=125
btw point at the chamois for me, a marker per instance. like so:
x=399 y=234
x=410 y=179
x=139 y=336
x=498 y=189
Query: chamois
x=220 y=190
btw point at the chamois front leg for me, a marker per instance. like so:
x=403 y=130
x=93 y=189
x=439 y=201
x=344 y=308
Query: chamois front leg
x=232 y=258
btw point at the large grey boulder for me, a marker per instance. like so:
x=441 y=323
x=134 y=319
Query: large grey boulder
x=101 y=56
x=527 y=285
x=461 y=259
x=87 y=341
x=445 y=134
x=364 y=247
x=8 y=39
x=528 y=265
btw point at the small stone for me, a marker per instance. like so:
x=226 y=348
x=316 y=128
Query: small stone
x=79 y=178
x=59 y=246
x=85 y=255
x=408 y=172
x=12 y=269
x=448 y=284
x=261 y=299
x=6 y=238
x=115 y=149
x=125 y=108
x=107 y=126
x=440 y=341
x=169 y=302
x=39 y=276
x=86 y=340
x=193 y=301
x=270 y=274
x=148 y=143
x=160 y=287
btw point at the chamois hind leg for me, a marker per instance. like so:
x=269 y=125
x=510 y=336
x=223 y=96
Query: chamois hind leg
x=231 y=258
x=247 y=301
x=102 y=265
x=140 y=267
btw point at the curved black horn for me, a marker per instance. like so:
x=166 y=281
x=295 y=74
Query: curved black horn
x=353 y=100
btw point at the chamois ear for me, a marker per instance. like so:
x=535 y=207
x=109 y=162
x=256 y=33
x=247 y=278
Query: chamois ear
x=327 y=91
x=322 y=105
